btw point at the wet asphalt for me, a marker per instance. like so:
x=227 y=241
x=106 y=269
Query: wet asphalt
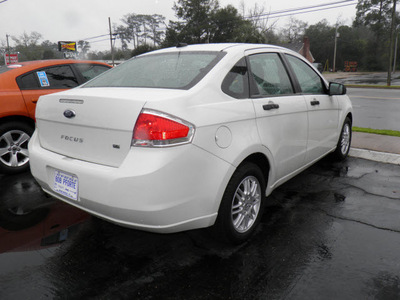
x=333 y=232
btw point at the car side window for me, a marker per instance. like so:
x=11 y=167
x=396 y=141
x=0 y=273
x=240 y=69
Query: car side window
x=268 y=75
x=28 y=82
x=60 y=77
x=309 y=81
x=89 y=71
x=236 y=82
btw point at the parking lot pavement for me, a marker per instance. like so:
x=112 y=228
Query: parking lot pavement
x=332 y=232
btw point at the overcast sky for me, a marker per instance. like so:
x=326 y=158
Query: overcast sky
x=72 y=20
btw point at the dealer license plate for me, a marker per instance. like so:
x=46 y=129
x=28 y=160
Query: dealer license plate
x=66 y=185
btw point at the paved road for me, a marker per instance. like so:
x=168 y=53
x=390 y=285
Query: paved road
x=376 y=108
x=331 y=233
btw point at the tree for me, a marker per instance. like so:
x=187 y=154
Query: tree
x=229 y=27
x=351 y=46
x=203 y=21
x=260 y=21
x=50 y=50
x=376 y=15
x=196 y=16
x=27 y=46
x=157 y=34
x=322 y=40
x=83 y=46
x=139 y=29
x=142 y=49
x=26 y=40
x=294 y=30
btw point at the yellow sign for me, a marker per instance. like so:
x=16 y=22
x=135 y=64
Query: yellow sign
x=67 y=46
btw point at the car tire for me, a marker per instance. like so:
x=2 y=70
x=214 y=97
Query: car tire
x=343 y=145
x=242 y=204
x=14 y=138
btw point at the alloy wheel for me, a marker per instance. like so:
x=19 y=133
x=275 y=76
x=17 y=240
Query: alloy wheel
x=14 y=148
x=246 y=204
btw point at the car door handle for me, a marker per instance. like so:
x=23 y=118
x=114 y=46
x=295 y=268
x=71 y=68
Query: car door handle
x=314 y=102
x=270 y=106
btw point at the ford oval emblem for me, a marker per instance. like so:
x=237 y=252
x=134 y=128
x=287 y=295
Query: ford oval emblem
x=69 y=114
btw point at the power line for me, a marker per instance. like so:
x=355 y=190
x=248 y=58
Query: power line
x=307 y=8
x=94 y=37
x=270 y=15
x=303 y=10
x=101 y=41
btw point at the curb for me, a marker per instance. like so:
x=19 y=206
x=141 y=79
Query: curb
x=388 y=158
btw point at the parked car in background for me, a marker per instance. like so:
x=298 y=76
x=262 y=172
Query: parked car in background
x=20 y=87
x=318 y=66
x=189 y=137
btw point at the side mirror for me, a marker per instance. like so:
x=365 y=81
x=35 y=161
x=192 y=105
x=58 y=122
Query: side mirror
x=336 y=89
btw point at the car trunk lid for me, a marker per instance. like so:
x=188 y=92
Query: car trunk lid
x=93 y=125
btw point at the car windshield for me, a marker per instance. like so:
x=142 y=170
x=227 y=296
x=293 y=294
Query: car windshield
x=174 y=70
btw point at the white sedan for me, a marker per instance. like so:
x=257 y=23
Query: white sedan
x=189 y=137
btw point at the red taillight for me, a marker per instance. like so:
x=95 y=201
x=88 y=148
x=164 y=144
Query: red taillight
x=152 y=129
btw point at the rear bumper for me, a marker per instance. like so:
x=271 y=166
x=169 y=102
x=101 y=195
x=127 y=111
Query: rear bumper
x=159 y=190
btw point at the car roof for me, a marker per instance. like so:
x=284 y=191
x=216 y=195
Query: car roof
x=219 y=47
x=26 y=66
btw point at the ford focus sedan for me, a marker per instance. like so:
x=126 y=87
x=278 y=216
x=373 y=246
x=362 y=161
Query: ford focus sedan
x=189 y=137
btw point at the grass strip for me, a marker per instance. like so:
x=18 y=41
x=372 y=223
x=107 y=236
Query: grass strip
x=372 y=86
x=377 y=131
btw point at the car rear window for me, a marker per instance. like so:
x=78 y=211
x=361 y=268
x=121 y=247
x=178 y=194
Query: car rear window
x=90 y=71
x=174 y=70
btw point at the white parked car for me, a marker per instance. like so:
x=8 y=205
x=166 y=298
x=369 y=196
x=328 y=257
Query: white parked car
x=189 y=137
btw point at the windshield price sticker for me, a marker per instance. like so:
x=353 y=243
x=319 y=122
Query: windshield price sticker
x=66 y=185
x=44 y=81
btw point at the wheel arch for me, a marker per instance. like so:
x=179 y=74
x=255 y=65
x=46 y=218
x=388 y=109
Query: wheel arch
x=350 y=116
x=22 y=119
x=262 y=162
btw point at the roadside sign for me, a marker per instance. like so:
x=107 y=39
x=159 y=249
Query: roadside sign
x=64 y=46
x=11 y=58
x=350 y=66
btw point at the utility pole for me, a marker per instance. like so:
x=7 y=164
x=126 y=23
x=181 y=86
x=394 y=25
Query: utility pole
x=111 y=41
x=334 y=51
x=392 y=27
x=8 y=50
x=395 y=52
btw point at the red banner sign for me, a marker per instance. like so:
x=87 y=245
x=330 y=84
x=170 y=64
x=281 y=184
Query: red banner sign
x=350 y=66
x=11 y=58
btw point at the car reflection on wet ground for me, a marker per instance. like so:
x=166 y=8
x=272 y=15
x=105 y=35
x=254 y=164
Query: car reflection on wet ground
x=333 y=232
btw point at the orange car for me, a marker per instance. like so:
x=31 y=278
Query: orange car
x=20 y=87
